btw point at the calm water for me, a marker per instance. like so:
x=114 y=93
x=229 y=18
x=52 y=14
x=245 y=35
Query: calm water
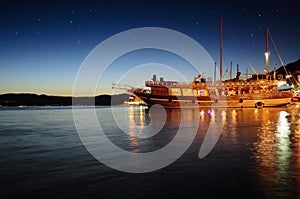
x=256 y=156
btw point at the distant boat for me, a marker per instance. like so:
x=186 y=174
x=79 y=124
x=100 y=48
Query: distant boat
x=296 y=99
x=133 y=101
x=259 y=90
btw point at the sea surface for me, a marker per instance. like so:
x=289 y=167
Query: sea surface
x=256 y=155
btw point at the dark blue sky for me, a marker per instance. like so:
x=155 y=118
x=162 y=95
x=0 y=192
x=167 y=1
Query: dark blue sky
x=43 y=43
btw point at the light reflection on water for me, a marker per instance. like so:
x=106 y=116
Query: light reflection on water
x=257 y=154
x=272 y=152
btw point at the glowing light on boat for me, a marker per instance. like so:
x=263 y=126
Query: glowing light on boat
x=202 y=112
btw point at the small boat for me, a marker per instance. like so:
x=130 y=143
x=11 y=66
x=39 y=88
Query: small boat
x=133 y=101
x=296 y=99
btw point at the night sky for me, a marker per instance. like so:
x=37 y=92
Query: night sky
x=43 y=43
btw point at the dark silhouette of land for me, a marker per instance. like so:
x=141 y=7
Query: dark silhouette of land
x=293 y=68
x=22 y=99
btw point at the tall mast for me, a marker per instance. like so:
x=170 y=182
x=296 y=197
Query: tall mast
x=267 y=53
x=221 y=49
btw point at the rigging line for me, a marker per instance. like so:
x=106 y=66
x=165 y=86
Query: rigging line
x=236 y=43
x=286 y=71
x=276 y=49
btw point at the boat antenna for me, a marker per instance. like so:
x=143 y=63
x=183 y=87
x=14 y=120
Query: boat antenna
x=221 y=21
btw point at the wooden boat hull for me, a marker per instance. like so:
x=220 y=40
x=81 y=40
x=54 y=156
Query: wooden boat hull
x=193 y=101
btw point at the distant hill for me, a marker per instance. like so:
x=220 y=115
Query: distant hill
x=293 y=68
x=11 y=99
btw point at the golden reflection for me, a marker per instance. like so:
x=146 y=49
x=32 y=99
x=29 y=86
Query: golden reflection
x=136 y=125
x=233 y=132
x=234 y=115
x=256 y=114
x=229 y=119
x=142 y=122
x=294 y=119
x=284 y=151
x=213 y=118
x=223 y=116
x=272 y=153
x=202 y=117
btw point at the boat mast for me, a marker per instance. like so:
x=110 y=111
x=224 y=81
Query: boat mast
x=221 y=49
x=267 y=53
